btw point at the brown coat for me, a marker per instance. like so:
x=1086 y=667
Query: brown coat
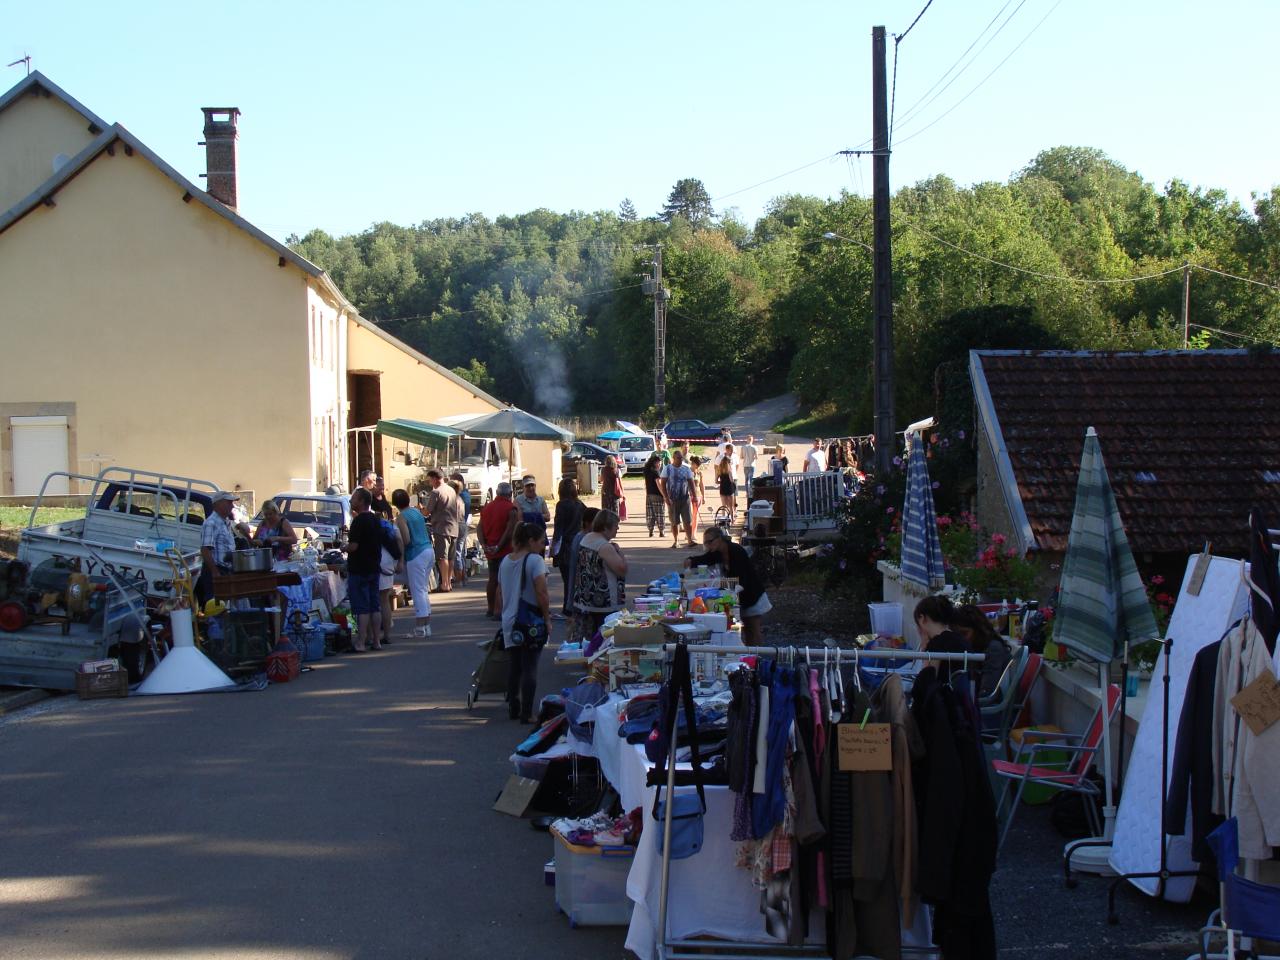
x=907 y=746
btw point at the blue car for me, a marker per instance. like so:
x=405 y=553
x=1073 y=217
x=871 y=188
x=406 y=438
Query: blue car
x=690 y=430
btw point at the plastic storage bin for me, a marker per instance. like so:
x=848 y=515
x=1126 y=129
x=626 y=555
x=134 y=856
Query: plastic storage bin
x=591 y=883
x=886 y=619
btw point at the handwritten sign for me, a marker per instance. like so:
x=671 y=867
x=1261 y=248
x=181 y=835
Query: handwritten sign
x=864 y=749
x=1198 y=573
x=1259 y=703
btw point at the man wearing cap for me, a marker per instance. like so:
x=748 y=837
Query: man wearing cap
x=217 y=541
x=498 y=521
x=533 y=508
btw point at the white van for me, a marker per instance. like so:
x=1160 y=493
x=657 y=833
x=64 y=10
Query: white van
x=636 y=452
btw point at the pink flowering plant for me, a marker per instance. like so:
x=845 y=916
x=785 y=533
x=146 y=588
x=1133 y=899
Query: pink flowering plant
x=998 y=572
x=1143 y=655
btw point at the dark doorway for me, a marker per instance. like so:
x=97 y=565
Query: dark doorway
x=365 y=393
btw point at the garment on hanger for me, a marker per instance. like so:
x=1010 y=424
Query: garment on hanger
x=908 y=749
x=770 y=806
x=1248 y=782
x=957 y=819
x=743 y=718
x=1191 y=777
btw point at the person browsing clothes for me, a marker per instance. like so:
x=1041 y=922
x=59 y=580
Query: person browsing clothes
x=734 y=561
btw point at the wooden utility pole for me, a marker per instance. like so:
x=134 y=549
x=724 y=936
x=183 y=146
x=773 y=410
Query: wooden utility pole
x=654 y=288
x=1186 y=306
x=882 y=292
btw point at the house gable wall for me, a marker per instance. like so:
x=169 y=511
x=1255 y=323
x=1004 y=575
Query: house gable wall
x=33 y=130
x=177 y=336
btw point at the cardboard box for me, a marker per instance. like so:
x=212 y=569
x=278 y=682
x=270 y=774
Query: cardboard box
x=650 y=636
x=642 y=665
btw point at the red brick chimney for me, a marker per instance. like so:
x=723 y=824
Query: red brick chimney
x=220 y=153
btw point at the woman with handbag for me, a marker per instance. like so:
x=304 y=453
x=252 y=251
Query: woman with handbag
x=526 y=615
x=600 y=573
x=610 y=486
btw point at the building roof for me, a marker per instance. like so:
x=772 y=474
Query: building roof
x=1191 y=440
x=113 y=136
x=36 y=83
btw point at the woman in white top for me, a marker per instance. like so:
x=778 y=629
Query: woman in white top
x=523 y=577
x=600 y=573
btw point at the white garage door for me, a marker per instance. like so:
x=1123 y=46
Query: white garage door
x=39 y=449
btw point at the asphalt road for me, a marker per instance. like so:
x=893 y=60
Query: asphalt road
x=347 y=816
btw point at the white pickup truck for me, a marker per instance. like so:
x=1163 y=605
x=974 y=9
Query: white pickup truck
x=82 y=589
x=131 y=517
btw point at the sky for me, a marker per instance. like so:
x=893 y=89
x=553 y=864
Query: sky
x=354 y=114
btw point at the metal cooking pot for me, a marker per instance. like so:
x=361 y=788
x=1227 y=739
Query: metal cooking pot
x=256 y=560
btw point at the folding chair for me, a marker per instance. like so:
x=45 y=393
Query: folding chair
x=1249 y=909
x=1074 y=779
x=997 y=708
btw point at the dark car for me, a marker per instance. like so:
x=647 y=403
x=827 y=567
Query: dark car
x=582 y=450
x=690 y=430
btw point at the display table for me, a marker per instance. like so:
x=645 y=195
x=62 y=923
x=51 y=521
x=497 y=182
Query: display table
x=709 y=894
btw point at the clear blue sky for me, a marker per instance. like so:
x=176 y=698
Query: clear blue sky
x=405 y=111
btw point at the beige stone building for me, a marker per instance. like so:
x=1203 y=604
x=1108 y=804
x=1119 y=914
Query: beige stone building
x=148 y=324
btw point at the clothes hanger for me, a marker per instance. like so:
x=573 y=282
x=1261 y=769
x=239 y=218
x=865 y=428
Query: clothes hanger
x=828 y=685
x=837 y=700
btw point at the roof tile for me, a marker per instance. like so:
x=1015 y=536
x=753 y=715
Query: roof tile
x=1205 y=423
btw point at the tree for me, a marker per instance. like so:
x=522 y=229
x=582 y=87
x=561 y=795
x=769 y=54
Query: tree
x=476 y=374
x=627 y=210
x=689 y=201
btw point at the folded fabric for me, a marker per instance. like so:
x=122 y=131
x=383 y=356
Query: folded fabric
x=544 y=737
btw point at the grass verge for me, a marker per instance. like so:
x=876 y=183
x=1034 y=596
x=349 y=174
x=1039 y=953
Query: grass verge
x=823 y=419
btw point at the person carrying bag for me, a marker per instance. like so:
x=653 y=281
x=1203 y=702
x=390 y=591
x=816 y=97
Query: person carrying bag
x=688 y=810
x=526 y=623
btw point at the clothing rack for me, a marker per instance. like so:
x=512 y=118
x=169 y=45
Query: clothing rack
x=766 y=950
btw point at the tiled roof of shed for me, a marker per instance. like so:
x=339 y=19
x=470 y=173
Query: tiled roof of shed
x=1190 y=439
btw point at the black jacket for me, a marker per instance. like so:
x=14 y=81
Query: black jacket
x=957 y=820
x=1191 y=778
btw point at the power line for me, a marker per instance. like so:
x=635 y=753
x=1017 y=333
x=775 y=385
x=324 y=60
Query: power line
x=1232 y=334
x=463 y=313
x=1232 y=276
x=892 y=99
x=987 y=77
x=925 y=100
x=947 y=72
x=1033 y=273
x=734 y=193
x=903 y=35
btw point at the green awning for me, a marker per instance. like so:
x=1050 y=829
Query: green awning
x=431 y=435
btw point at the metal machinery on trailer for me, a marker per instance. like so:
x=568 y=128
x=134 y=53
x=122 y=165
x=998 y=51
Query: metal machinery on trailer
x=81 y=588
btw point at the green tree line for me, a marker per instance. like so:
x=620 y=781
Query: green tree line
x=546 y=309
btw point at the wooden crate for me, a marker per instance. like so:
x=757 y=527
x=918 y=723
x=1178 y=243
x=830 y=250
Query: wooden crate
x=97 y=686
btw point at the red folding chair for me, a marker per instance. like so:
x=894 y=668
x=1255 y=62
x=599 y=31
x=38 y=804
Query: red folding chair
x=1075 y=778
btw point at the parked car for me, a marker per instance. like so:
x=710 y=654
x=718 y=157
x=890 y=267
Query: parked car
x=636 y=451
x=690 y=430
x=582 y=450
x=328 y=514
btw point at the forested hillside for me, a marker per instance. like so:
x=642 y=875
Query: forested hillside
x=545 y=309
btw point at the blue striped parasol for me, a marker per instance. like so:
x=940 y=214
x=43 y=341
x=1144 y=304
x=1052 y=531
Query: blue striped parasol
x=921 y=547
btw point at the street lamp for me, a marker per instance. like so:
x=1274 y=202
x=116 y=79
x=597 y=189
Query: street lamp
x=832 y=235
x=882 y=370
